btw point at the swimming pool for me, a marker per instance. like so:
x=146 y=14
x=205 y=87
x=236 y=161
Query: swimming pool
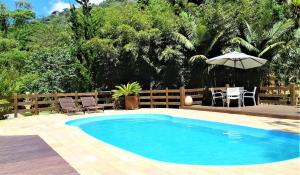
x=188 y=141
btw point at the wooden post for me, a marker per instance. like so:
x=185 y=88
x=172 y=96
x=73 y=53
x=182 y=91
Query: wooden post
x=15 y=105
x=56 y=102
x=293 y=94
x=182 y=96
x=96 y=96
x=35 y=108
x=167 y=98
x=258 y=98
x=151 y=100
x=76 y=98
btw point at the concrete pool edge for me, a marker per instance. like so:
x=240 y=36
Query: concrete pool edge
x=93 y=157
x=243 y=130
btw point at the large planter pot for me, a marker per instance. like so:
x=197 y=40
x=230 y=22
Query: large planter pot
x=131 y=102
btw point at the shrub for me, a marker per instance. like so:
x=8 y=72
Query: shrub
x=4 y=109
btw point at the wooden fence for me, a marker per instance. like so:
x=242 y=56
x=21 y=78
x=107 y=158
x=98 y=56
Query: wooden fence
x=36 y=103
x=169 y=97
x=279 y=95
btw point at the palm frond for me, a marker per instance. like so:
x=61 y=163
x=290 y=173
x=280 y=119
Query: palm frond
x=244 y=43
x=214 y=41
x=248 y=27
x=197 y=58
x=270 y=47
x=183 y=40
x=279 y=29
x=170 y=53
x=251 y=36
x=126 y=90
x=297 y=33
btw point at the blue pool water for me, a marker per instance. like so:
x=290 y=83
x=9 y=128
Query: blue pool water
x=187 y=141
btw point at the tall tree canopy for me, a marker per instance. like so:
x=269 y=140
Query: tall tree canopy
x=159 y=43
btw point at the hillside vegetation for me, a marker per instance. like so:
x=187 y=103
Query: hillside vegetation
x=159 y=43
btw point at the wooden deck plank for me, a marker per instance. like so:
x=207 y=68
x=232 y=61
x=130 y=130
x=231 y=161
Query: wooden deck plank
x=275 y=111
x=30 y=155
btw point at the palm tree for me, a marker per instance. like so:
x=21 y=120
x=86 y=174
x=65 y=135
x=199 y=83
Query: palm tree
x=23 y=4
x=199 y=41
x=266 y=45
x=195 y=37
x=267 y=42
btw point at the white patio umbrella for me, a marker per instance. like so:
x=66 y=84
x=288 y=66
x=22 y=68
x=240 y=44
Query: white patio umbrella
x=237 y=60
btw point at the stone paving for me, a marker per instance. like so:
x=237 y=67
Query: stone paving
x=90 y=156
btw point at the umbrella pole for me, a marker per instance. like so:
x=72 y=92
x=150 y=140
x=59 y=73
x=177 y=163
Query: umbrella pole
x=234 y=73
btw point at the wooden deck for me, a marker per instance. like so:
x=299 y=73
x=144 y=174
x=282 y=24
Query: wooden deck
x=275 y=111
x=22 y=155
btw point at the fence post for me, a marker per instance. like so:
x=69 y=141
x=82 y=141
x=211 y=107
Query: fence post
x=182 y=96
x=167 y=98
x=15 y=105
x=96 y=96
x=56 y=101
x=151 y=100
x=35 y=108
x=293 y=94
x=76 y=98
x=258 y=98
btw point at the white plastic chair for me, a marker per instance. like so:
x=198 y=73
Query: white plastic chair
x=249 y=94
x=234 y=94
x=217 y=95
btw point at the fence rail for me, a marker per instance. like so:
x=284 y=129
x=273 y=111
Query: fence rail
x=169 y=97
x=279 y=94
x=36 y=103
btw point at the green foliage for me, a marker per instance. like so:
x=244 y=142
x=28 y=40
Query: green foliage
x=4 y=14
x=10 y=55
x=23 y=4
x=46 y=35
x=20 y=17
x=13 y=58
x=159 y=43
x=296 y=2
x=127 y=90
x=56 y=70
x=268 y=40
x=8 y=44
x=12 y=81
x=4 y=110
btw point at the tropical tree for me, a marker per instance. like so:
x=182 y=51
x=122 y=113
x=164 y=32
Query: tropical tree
x=263 y=44
x=23 y=4
x=4 y=14
x=57 y=71
x=23 y=13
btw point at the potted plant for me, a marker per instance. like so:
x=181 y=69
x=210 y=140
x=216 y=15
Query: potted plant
x=130 y=92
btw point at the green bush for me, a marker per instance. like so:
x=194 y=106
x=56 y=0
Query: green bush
x=296 y=2
x=5 y=109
